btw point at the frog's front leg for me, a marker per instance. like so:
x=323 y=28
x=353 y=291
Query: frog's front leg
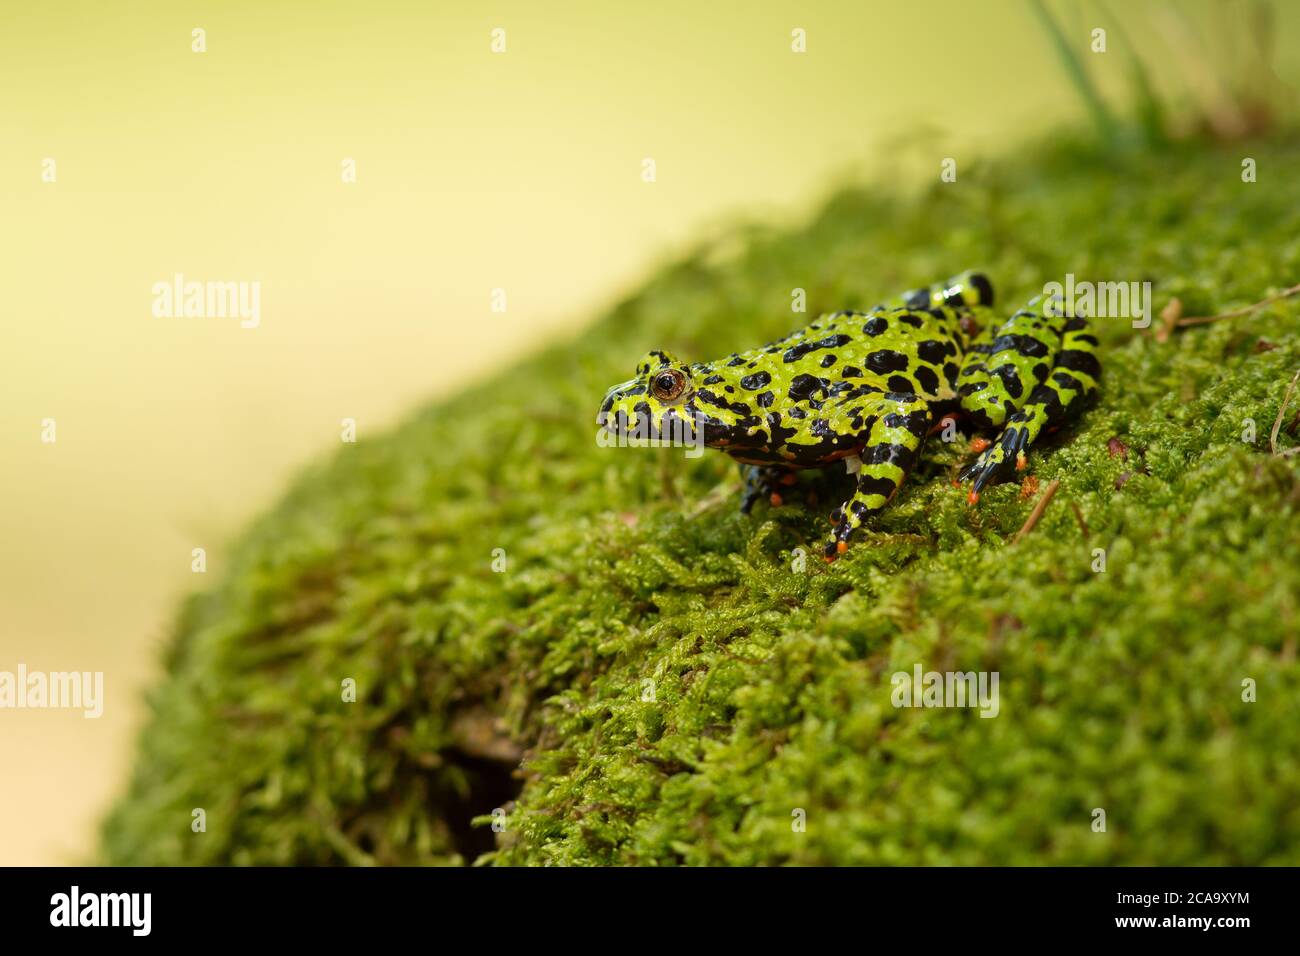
x=1065 y=372
x=900 y=423
x=764 y=481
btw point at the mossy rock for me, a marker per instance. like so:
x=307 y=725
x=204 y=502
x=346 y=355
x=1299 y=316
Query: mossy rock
x=630 y=575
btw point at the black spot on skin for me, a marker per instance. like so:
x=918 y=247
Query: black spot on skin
x=821 y=428
x=756 y=381
x=1087 y=340
x=851 y=371
x=798 y=412
x=901 y=383
x=914 y=321
x=829 y=360
x=1040 y=372
x=803 y=386
x=740 y=408
x=887 y=360
x=1046 y=397
x=781 y=435
x=1010 y=380
x=736 y=360
x=1025 y=345
x=1077 y=361
x=796 y=352
x=950 y=372
x=888 y=455
x=917 y=299
x=875 y=325
x=1067 y=381
x=914 y=422
x=712 y=380
x=932 y=351
x=982 y=286
x=766 y=399
x=1075 y=324
x=926 y=378
x=873 y=485
x=970 y=388
x=730 y=390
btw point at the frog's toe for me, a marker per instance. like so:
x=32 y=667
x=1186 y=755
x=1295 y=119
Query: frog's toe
x=838 y=542
x=998 y=462
x=835 y=547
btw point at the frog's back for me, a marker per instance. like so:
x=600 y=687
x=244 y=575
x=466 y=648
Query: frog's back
x=915 y=351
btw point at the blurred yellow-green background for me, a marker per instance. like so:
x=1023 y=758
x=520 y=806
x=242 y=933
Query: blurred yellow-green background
x=475 y=170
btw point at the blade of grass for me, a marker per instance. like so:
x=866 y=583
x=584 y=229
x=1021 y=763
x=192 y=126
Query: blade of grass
x=1078 y=75
x=1151 y=111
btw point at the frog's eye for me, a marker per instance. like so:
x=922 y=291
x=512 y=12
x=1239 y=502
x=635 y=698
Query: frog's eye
x=667 y=384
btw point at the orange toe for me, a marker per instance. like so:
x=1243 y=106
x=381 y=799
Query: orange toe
x=973 y=498
x=775 y=499
x=977 y=445
x=841 y=547
x=1021 y=463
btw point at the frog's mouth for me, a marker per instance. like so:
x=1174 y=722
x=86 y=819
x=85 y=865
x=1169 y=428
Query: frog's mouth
x=627 y=415
x=613 y=415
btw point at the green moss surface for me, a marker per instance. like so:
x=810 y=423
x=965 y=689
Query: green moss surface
x=525 y=690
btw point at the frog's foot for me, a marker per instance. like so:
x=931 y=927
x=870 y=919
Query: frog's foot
x=762 y=481
x=899 y=426
x=1006 y=456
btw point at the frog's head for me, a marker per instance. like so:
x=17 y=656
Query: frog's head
x=647 y=405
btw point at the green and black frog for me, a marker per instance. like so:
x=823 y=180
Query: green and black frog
x=867 y=388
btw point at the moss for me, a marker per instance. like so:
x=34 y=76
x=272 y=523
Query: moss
x=527 y=690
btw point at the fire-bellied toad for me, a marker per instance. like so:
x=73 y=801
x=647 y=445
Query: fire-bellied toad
x=868 y=387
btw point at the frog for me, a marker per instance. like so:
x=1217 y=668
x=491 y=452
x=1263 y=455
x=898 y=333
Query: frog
x=866 y=388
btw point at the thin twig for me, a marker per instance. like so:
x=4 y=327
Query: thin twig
x=1037 y=513
x=1078 y=516
x=1237 y=313
x=1286 y=400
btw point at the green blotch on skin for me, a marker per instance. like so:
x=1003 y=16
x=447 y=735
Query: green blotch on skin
x=1119 y=690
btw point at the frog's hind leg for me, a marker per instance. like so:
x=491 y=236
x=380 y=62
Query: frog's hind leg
x=764 y=481
x=899 y=425
x=1058 y=352
x=1005 y=363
